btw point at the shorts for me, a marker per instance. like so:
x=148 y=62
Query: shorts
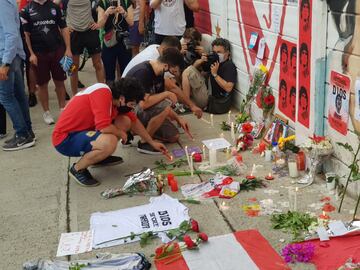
x=77 y=144
x=88 y=39
x=49 y=62
x=167 y=130
x=199 y=93
x=135 y=37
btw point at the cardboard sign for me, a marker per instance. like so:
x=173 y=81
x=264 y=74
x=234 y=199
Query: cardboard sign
x=75 y=243
x=338 y=102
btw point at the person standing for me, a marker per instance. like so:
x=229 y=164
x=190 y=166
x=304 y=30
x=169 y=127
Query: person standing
x=116 y=46
x=12 y=89
x=84 y=35
x=170 y=17
x=45 y=33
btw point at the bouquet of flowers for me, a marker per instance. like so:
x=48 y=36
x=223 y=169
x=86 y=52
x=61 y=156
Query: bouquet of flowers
x=245 y=139
x=319 y=146
x=144 y=182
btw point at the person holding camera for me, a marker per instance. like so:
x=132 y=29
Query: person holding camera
x=217 y=96
x=115 y=16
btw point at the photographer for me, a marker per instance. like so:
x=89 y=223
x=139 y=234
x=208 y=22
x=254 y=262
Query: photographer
x=217 y=97
x=115 y=17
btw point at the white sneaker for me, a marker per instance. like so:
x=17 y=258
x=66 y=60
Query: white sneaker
x=48 y=118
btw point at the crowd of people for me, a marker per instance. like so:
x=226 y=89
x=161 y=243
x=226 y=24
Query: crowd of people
x=140 y=91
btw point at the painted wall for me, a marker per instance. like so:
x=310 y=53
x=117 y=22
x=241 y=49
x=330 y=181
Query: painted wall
x=335 y=29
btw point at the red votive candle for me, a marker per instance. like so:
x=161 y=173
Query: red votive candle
x=170 y=178
x=174 y=186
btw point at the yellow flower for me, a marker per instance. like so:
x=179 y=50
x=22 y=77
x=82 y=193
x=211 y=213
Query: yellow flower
x=263 y=68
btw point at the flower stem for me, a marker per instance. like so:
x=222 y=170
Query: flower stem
x=348 y=180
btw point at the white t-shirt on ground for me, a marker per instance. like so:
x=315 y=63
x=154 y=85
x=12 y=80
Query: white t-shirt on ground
x=149 y=53
x=170 y=18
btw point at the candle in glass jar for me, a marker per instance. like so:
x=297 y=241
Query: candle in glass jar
x=293 y=170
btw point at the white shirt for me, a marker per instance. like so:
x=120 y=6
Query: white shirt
x=149 y=53
x=170 y=18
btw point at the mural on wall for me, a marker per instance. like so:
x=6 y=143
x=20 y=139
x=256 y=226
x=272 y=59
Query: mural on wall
x=304 y=80
x=287 y=79
x=344 y=14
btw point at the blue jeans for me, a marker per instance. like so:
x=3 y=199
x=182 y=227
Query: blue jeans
x=13 y=98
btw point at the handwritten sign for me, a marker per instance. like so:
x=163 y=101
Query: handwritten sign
x=75 y=243
x=216 y=144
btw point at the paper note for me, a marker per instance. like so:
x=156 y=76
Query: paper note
x=75 y=243
x=253 y=40
x=216 y=144
x=337 y=228
x=323 y=235
x=261 y=51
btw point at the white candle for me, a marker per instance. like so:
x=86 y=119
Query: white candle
x=192 y=163
x=293 y=171
x=223 y=206
x=212 y=158
x=229 y=117
x=267 y=155
x=212 y=119
x=204 y=151
x=232 y=131
x=187 y=155
x=228 y=153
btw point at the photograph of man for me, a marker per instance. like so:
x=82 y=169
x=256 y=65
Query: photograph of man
x=293 y=102
x=284 y=57
x=338 y=106
x=304 y=60
x=303 y=104
x=293 y=58
x=305 y=14
x=283 y=94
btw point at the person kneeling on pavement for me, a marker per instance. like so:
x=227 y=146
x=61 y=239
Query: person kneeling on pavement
x=94 y=121
x=216 y=95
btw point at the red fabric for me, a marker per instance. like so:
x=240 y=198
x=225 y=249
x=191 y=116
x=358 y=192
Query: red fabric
x=132 y=116
x=91 y=109
x=337 y=252
x=260 y=251
x=23 y=3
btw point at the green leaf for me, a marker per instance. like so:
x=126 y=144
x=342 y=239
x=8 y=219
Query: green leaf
x=346 y=146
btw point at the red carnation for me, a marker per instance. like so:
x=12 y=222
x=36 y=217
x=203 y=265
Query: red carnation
x=194 y=225
x=269 y=100
x=190 y=244
x=203 y=236
x=328 y=207
x=159 y=251
x=246 y=128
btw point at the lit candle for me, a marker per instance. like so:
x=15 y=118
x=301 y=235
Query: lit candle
x=221 y=135
x=269 y=176
x=295 y=198
x=229 y=117
x=293 y=170
x=232 y=131
x=204 y=152
x=187 y=156
x=223 y=206
x=212 y=119
x=212 y=158
x=192 y=163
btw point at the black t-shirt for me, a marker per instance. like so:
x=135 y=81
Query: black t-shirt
x=189 y=17
x=145 y=74
x=121 y=24
x=43 y=23
x=227 y=71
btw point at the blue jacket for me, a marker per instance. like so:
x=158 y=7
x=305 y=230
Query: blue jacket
x=10 y=39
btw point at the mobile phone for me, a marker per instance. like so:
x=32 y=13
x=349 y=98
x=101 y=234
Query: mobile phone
x=114 y=3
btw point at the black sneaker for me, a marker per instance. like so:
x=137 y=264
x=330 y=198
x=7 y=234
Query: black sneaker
x=18 y=143
x=109 y=161
x=32 y=135
x=80 y=85
x=146 y=148
x=32 y=100
x=67 y=97
x=130 y=138
x=83 y=177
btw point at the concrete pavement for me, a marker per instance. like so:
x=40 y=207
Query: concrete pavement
x=39 y=201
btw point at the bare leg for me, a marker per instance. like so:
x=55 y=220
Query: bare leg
x=44 y=96
x=99 y=68
x=103 y=147
x=75 y=76
x=157 y=121
x=60 y=92
x=32 y=80
x=186 y=84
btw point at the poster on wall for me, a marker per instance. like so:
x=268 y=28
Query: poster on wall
x=304 y=79
x=287 y=79
x=338 y=101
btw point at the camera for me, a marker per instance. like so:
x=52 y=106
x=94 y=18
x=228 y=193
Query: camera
x=191 y=54
x=114 y=3
x=212 y=58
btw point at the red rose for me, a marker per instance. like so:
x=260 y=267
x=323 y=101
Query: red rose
x=194 y=225
x=269 y=100
x=159 y=251
x=246 y=128
x=190 y=244
x=197 y=157
x=203 y=236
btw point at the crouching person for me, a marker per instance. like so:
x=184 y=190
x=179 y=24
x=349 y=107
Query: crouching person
x=216 y=97
x=94 y=121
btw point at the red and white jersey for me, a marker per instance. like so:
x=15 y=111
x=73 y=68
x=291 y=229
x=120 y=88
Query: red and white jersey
x=90 y=109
